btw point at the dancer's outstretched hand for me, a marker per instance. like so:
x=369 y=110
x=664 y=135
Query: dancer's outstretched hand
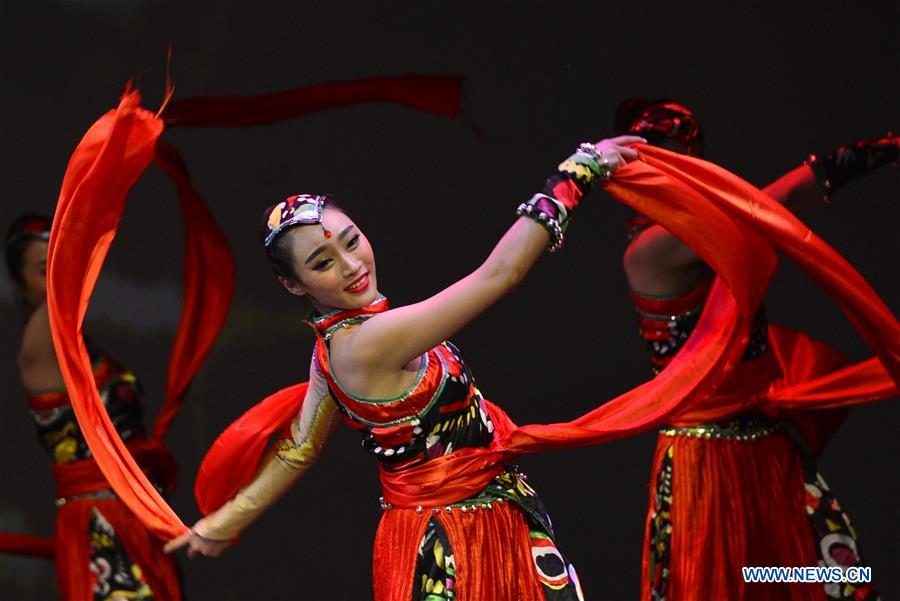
x=197 y=544
x=616 y=152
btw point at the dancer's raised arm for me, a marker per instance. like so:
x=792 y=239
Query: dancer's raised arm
x=392 y=339
x=659 y=264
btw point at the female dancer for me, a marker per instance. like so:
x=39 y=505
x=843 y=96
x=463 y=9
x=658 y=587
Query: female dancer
x=744 y=492
x=102 y=551
x=393 y=377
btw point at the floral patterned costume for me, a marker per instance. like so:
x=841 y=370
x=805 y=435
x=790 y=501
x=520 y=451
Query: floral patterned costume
x=496 y=542
x=439 y=414
x=102 y=552
x=710 y=475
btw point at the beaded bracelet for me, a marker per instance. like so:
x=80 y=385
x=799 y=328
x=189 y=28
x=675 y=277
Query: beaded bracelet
x=549 y=222
x=600 y=163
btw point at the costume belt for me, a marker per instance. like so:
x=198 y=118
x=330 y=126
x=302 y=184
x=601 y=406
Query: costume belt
x=83 y=479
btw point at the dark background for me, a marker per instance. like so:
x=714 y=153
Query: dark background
x=770 y=81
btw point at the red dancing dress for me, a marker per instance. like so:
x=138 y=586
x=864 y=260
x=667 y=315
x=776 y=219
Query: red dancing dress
x=743 y=491
x=495 y=543
x=102 y=550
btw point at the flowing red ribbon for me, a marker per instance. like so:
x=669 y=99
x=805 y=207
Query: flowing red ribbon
x=439 y=94
x=110 y=158
x=25 y=544
x=736 y=229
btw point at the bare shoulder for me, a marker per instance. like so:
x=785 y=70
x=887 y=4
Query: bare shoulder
x=355 y=347
x=657 y=263
x=37 y=341
x=38 y=367
x=358 y=371
x=348 y=357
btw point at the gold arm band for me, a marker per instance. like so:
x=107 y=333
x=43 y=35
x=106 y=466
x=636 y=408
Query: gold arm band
x=308 y=436
x=285 y=466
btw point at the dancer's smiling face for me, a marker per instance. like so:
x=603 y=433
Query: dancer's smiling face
x=333 y=273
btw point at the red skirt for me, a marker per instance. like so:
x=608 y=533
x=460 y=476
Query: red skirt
x=96 y=538
x=720 y=504
x=717 y=505
x=100 y=544
x=492 y=548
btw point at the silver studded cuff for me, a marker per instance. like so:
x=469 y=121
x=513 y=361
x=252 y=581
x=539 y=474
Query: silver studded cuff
x=528 y=209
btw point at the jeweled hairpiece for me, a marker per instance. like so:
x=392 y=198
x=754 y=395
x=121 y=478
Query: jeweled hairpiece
x=29 y=227
x=302 y=209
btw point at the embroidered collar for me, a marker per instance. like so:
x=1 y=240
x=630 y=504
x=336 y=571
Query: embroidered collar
x=326 y=324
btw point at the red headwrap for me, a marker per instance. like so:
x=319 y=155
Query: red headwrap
x=668 y=119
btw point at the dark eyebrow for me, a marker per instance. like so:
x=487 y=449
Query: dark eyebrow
x=344 y=233
x=319 y=250
x=314 y=254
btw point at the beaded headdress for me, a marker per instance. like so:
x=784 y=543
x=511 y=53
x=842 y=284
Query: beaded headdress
x=29 y=226
x=669 y=119
x=301 y=209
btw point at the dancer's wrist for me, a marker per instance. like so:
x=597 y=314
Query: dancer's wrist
x=836 y=169
x=547 y=212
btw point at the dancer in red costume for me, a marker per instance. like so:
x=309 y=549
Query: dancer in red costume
x=745 y=491
x=394 y=377
x=102 y=552
x=735 y=228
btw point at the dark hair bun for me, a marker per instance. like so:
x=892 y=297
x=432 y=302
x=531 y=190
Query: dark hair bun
x=628 y=112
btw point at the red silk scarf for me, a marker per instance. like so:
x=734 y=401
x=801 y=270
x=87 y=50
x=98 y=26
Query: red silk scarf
x=108 y=161
x=105 y=165
x=437 y=94
x=738 y=231
x=25 y=544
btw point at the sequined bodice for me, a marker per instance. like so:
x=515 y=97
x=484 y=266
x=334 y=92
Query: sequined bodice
x=58 y=430
x=666 y=323
x=440 y=413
